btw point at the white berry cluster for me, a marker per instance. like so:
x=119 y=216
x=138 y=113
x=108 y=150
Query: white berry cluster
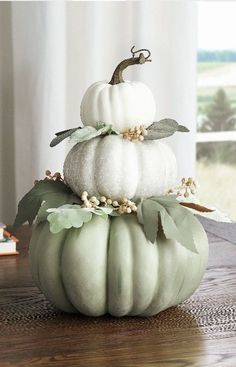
x=187 y=187
x=124 y=206
x=134 y=134
x=53 y=177
x=91 y=202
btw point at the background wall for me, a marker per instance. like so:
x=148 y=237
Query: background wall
x=51 y=52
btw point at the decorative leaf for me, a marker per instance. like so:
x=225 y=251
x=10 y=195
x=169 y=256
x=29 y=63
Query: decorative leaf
x=54 y=200
x=29 y=205
x=89 y=132
x=177 y=224
x=80 y=134
x=163 y=129
x=86 y=133
x=150 y=217
x=67 y=216
x=213 y=214
x=175 y=220
x=102 y=211
x=62 y=135
x=197 y=207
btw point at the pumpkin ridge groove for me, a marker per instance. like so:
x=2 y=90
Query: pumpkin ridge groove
x=156 y=289
x=107 y=265
x=139 y=163
x=96 y=156
x=38 y=261
x=32 y=251
x=96 y=97
x=60 y=272
x=132 y=265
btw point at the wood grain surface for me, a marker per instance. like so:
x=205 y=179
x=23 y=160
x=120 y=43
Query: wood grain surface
x=200 y=332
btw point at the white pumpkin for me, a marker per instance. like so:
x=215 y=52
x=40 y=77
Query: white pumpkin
x=117 y=168
x=123 y=104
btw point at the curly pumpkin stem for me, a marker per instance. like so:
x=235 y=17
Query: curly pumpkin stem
x=117 y=76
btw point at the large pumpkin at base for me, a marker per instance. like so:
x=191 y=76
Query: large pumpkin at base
x=117 y=168
x=108 y=266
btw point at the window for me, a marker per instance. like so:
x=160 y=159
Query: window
x=216 y=138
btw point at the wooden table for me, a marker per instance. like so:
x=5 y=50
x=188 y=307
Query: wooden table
x=200 y=332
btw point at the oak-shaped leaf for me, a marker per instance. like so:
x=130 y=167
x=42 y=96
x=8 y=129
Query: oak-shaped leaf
x=68 y=216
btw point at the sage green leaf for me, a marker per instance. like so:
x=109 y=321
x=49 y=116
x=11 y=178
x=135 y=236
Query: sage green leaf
x=164 y=128
x=89 y=132
x=67 y=216
x=106 y=129
x=150 y=218
x=102 y=211
x=140 y=211
x=62 y=135
x=114 y=213
x=176 y=221
x=80 y=134
x=178 y=227
x=86 y=133
x=105 y=209
x=54 y=200
x=30 y=204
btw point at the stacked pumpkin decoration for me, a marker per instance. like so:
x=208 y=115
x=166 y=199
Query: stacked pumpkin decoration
x=108 y=238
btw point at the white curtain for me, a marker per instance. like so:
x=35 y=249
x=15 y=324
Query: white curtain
x=52 y=51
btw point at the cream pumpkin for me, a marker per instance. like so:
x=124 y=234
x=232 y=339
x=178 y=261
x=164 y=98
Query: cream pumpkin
x=123 y=104
x=108 y=266
x=117 y=168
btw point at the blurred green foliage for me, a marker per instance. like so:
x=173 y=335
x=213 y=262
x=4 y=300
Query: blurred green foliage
x=218 y=116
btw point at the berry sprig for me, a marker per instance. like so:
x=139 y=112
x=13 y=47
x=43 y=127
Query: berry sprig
x=53 y=177
x=91 y=202
x=187 y=187
x=124 y=206
x=134 y=134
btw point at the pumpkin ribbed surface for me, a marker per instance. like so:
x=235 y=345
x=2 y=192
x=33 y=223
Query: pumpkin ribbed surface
x=122 y=105
x=108 y=266
x=117 y=168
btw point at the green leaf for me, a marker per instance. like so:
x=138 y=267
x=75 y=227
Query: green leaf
x=89 y=132
x=30 y=204
x=67 y=216
x=54 y=200
x=102 y=211
x=106 y=129
x=80 y=134
x=86 y=133
x=176 y=221
x=62 y=135
x=163 y=129
x=150 y=215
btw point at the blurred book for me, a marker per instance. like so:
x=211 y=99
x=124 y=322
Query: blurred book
x=2 y=226
x=8 y=242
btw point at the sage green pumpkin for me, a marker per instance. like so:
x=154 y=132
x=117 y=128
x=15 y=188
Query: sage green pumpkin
x=108 y=266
